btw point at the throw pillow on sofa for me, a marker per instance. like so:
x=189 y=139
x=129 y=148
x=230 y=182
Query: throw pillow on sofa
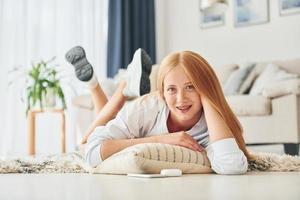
x=246 y=85
x=152 y=158
x=271 y=74
x=285 y=87
x=224 y=72
x=236 y=79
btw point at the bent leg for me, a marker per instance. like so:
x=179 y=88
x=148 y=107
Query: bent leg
x=98 y=97
x=136 y=83
x=108 y=111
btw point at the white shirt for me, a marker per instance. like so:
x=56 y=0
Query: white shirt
x=147 y=116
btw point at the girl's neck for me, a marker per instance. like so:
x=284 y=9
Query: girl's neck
x=175 y=125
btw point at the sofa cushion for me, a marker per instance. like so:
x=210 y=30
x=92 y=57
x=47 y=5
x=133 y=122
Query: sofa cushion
x=292 y=65
x=270 y=75
x=246 y=105
x=248 y=82
x=224 y=72
x=280 y=88
x=236 y=79
x=152 y=158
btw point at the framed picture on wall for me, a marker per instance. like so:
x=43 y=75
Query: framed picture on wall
x=289 y=7
x=211 y=20
x=250 y=12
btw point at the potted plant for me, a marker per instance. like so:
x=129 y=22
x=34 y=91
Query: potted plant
x=43 y=86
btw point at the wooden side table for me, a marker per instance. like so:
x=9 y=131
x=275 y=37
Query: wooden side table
x=31 y=129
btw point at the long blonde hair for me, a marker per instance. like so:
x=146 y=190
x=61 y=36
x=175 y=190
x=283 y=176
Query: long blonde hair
x=206 y=82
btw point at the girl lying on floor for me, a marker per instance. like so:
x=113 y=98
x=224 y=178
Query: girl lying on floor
x=189 y=109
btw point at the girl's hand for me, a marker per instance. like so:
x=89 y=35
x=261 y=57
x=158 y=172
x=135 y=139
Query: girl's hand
x=181 y=139
x=204 y=100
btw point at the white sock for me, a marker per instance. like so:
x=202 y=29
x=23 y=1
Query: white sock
x=93 y=82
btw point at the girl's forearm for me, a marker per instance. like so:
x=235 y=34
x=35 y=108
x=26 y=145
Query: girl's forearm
x=110 y=147
x=217 y=127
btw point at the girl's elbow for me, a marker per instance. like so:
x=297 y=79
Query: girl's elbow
x=231 y=167
x=92 y=156
x=233 y=170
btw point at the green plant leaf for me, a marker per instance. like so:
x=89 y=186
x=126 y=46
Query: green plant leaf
x=40 y=78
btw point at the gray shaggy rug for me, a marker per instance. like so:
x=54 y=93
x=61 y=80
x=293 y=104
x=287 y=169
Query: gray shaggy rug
x=58 y=163
x=74 y=163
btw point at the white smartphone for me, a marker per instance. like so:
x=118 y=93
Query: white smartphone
x=163 y=173
x=147 y=175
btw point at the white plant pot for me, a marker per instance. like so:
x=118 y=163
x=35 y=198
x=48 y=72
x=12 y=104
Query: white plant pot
x=49 y=99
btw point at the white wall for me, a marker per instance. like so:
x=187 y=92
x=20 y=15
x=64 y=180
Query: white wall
x=178 y=28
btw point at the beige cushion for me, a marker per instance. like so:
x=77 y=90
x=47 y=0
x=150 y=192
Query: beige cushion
x=270 y=75
x=292 y=65
x=236 y=79
x=152 y=158
x=224 y=72
x=246 y=85
x=281 y=88
x=246 y=105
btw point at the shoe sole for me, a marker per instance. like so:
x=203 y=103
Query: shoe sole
x=77 y=57
x=145 y=85
x=146 y=62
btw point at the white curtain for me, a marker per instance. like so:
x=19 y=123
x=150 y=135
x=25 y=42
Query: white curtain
x=34 y=30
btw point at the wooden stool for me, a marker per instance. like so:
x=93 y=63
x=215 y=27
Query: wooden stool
x=31 y=129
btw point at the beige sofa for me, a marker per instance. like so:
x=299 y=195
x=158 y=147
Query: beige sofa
x=270 y=118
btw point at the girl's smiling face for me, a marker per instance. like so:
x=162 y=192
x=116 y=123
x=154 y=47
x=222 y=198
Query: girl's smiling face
x=182 y=99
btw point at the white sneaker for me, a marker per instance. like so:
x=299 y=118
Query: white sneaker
x=137 y=75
